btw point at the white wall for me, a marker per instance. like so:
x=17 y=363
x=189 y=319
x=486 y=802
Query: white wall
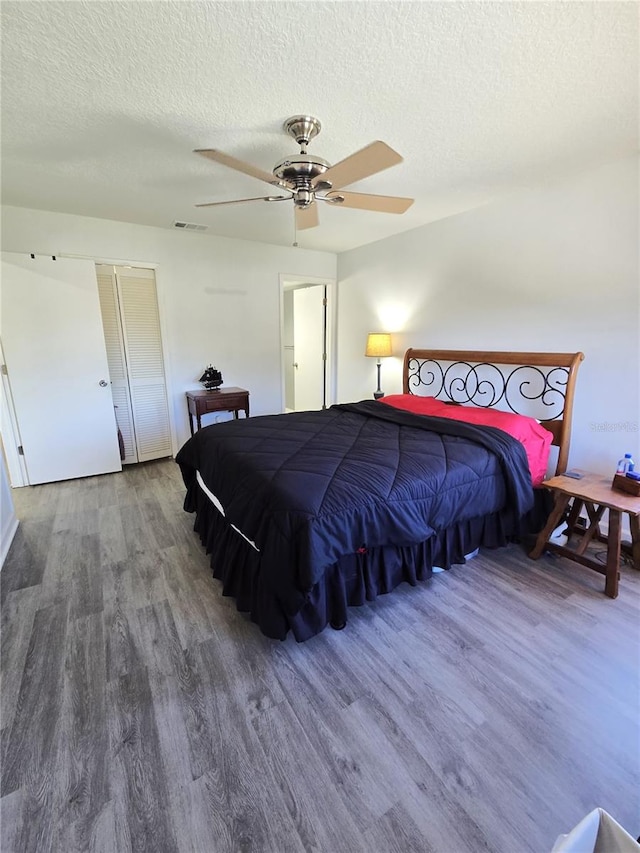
x=548 y=269
x=553 y=269
x=219 y=298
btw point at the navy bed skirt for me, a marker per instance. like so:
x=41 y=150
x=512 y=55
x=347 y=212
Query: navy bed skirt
x=354 y=578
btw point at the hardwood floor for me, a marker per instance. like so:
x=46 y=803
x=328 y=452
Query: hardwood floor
x=488 y=709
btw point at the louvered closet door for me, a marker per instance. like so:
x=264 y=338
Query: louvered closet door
x=116 y=357
x=145 y=364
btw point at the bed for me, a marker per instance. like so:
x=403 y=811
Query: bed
x=309 y=513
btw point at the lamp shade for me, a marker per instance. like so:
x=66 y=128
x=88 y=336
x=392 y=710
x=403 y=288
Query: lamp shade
x=378 y=345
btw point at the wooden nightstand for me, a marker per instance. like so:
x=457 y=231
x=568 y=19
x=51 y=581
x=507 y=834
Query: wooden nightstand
x=594 y=492
x=223 y=400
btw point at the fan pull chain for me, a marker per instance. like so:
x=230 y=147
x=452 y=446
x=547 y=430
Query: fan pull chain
x=295 y=229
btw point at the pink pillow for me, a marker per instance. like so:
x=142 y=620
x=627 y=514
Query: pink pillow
x=534 y=437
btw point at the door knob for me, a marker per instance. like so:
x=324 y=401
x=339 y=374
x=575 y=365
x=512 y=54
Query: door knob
x=295 y=364
x=103 y=383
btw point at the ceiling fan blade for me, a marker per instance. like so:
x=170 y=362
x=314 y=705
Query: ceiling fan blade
x=374 y=158
x=307 y=217
x=364 y=201
x=238 y=165
x=242 y=200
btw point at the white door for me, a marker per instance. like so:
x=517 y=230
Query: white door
x=116 y=360
x=288 y=352
x=145 y=361
x=54 y=347
x=309 y=338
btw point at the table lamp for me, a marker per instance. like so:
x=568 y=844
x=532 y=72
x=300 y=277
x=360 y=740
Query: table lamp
x=378 y=346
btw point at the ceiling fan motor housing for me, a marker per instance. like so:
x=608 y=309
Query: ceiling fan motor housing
x=299 y=171
x=300 y=168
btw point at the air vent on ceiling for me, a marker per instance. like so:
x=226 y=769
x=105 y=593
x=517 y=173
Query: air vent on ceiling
x=190 y=226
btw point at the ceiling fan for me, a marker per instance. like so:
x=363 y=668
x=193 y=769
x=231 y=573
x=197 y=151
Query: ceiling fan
x=308 y=179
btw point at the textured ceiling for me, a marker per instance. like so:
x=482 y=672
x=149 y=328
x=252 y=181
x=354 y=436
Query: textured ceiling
x=103 y=102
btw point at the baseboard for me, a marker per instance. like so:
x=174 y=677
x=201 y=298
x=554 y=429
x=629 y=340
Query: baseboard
x=7 y=539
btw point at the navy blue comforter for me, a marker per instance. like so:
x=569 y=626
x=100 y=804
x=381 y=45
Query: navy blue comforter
x=310 y=487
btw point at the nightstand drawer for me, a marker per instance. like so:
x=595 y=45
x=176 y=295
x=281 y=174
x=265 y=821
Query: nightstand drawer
x=218 y=403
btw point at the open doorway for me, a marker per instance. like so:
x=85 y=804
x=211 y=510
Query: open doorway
x=307 y=342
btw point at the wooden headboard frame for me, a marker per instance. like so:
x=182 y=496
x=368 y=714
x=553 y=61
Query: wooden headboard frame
x=550 y=379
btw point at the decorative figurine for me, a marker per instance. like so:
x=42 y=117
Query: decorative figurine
x=211 y=378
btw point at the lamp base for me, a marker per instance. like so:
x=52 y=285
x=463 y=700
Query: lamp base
x=378 y=392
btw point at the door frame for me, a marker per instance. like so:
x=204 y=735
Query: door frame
x=290 y=281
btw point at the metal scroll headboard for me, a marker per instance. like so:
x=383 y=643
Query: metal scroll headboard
x=540 y=385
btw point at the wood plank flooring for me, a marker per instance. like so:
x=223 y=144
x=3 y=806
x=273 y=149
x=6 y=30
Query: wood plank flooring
x=488 y=709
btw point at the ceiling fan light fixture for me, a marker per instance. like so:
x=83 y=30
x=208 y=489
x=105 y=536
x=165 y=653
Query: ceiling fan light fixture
x=303 y=198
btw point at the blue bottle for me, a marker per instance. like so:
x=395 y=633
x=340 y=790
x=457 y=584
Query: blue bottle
x=625 y=465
